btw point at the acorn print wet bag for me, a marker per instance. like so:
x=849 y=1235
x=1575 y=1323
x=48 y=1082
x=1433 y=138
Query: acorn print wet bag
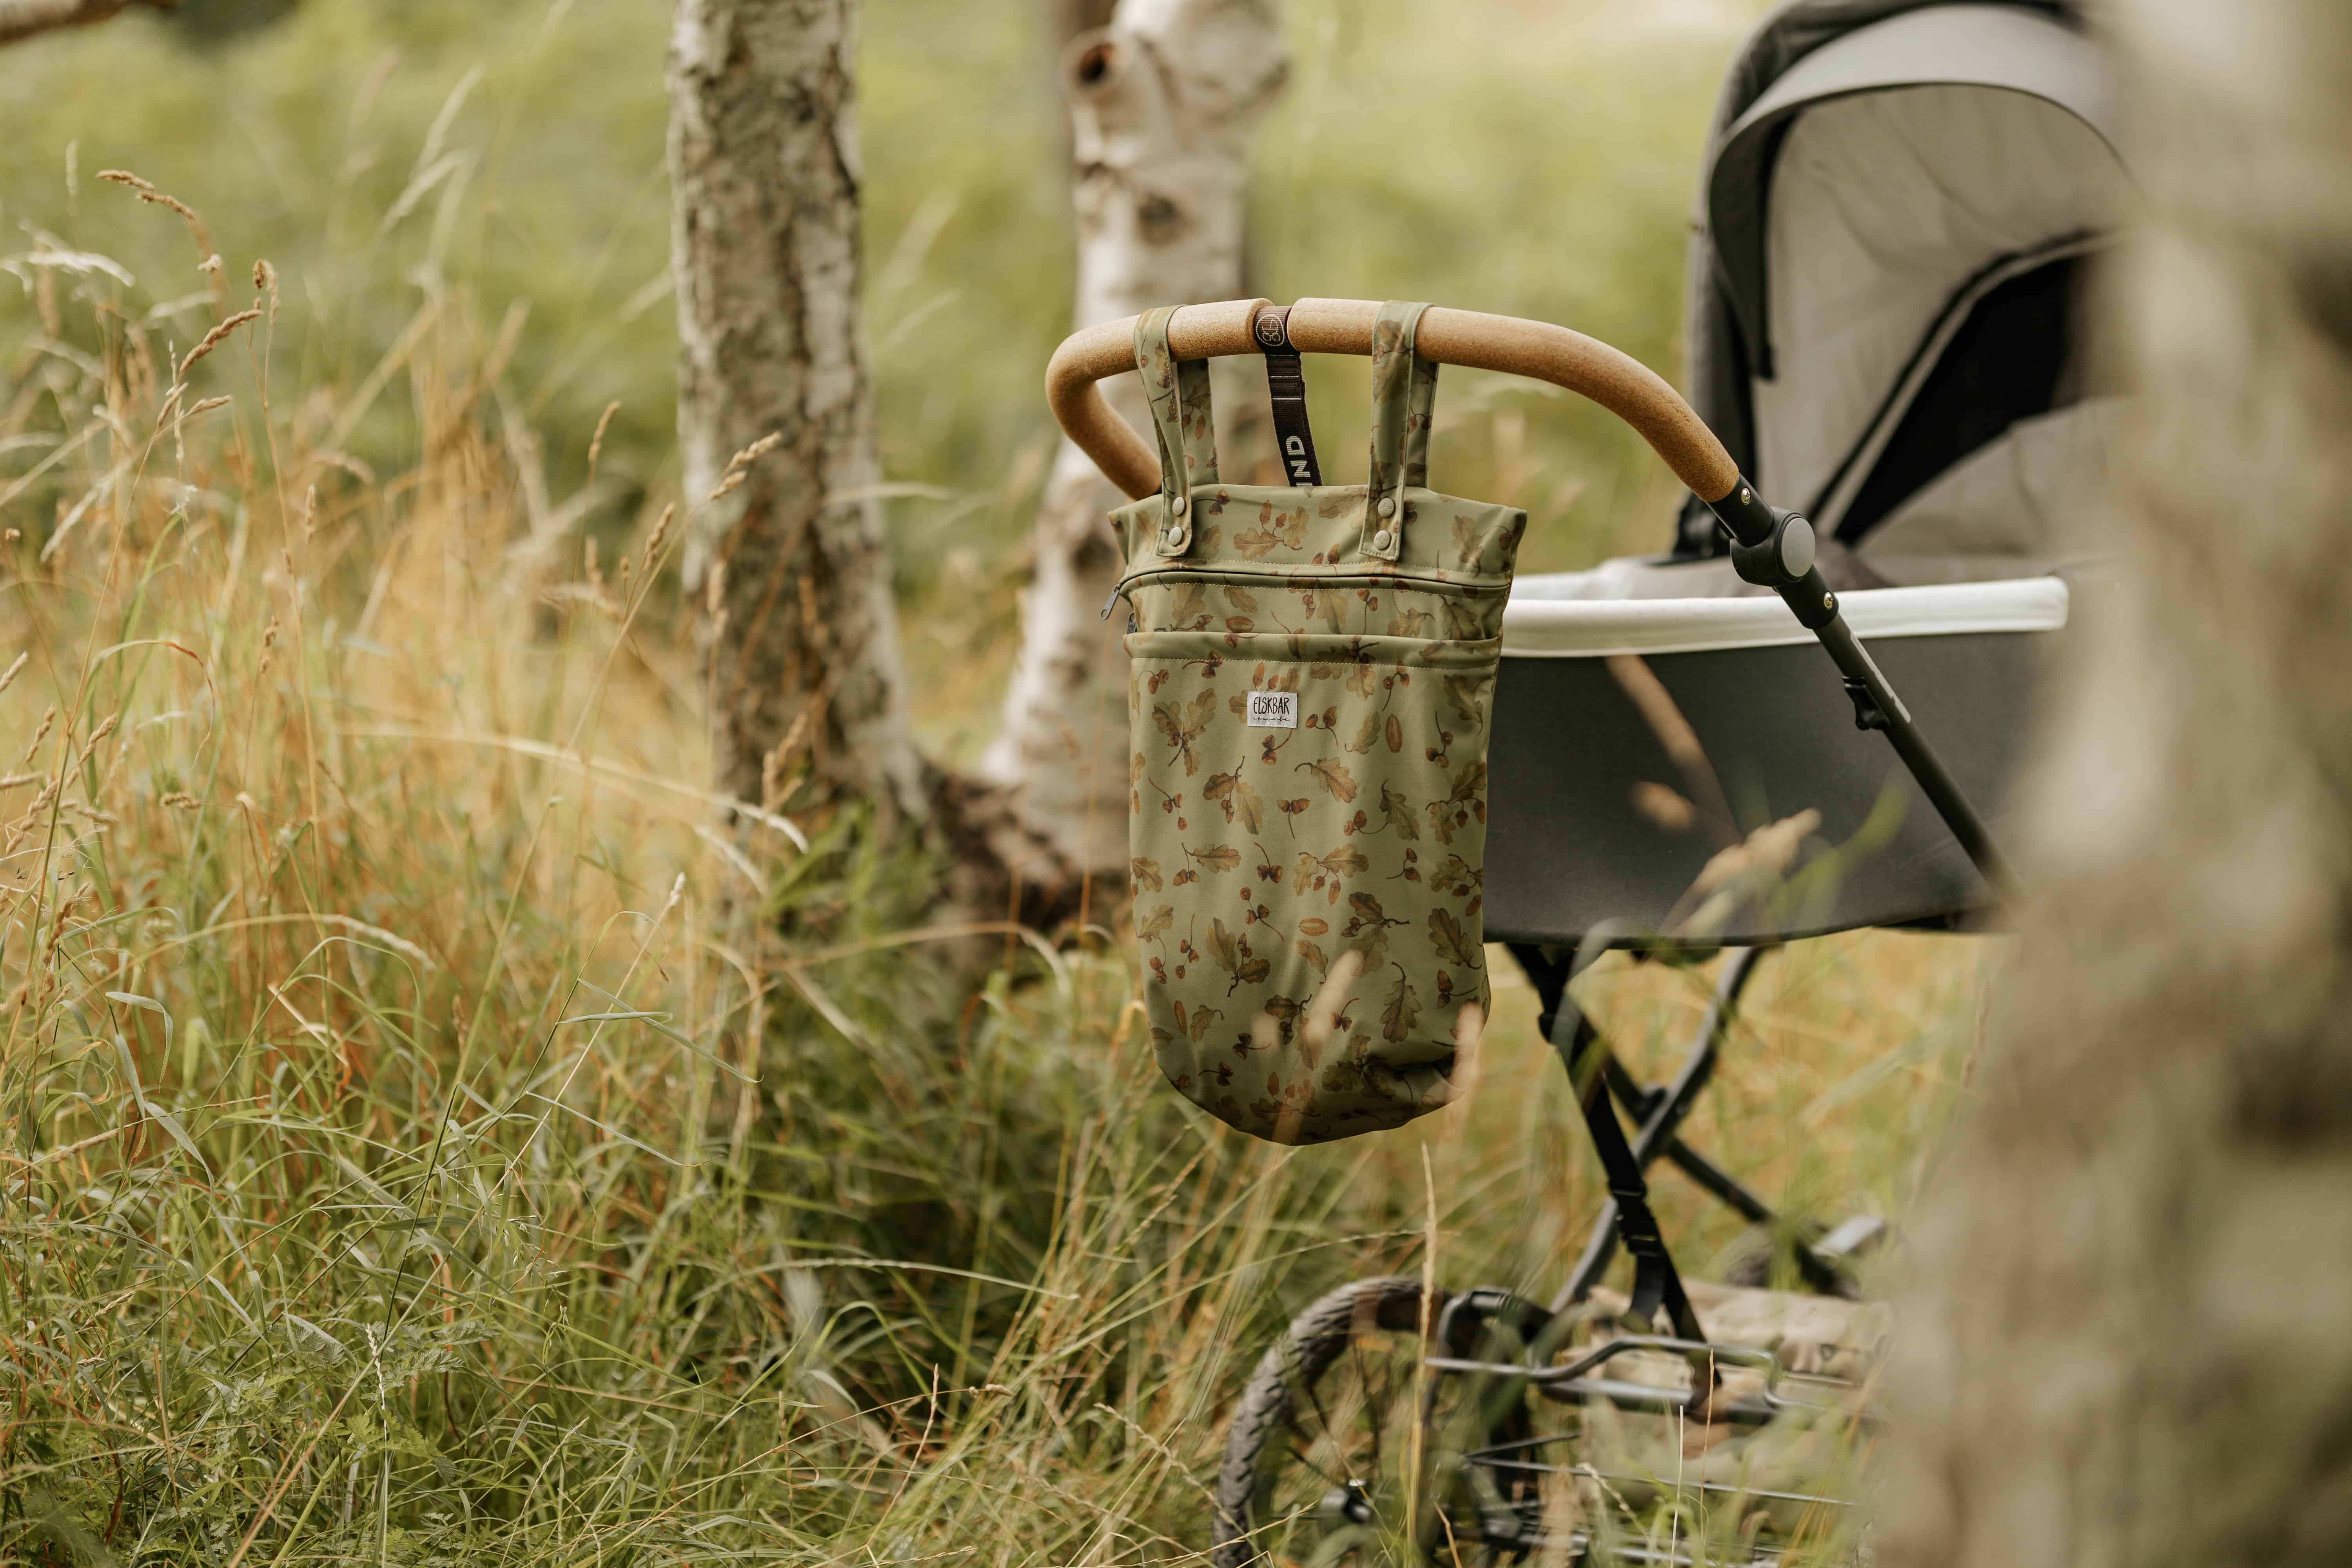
x=1312 y=670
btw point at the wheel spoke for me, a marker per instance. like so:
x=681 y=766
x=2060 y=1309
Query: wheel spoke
x=1376 y=1410
x=1307 y=1386
x=1305 y=1458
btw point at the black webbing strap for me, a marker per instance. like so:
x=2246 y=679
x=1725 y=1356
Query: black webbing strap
x=1286 y=387
x=1656 y=1282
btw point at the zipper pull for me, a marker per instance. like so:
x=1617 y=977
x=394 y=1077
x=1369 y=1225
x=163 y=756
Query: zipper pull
x=1110 y=603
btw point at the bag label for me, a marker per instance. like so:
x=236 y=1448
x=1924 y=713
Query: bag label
x=1274 y=710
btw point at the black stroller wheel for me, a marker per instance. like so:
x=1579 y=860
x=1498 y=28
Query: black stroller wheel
x=1344 y=1449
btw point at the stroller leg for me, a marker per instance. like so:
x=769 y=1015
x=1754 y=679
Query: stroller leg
x=1660 y=1112
x=1642 y=1104
x=1656 y=1282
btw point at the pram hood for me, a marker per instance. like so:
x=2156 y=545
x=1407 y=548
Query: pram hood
x=1880 y=280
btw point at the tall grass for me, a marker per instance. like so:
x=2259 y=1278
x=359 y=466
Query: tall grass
x=384 y=150
x=405 y=1155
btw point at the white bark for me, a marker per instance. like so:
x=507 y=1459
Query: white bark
x=23 y=18
x=2129 y=1347
x=1161 y=104
x=790 y=563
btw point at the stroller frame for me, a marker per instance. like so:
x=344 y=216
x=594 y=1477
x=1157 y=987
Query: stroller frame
x=1771 y=547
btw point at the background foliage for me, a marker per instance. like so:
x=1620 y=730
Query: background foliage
x=387 y=153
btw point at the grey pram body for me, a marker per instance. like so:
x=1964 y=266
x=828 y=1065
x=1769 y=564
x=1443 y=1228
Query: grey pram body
x=1893 y=219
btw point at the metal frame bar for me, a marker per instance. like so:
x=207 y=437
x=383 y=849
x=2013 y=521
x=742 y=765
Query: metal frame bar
x=1658 y=1114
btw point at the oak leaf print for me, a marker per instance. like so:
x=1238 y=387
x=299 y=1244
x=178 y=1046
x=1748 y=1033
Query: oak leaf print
x=1399 y=1013
x=1181 y=727
x=1452 y=944
x=1235 y=797
x=1188 y=608
x=1334 y=776
x=1215 y=857
x=1368 y=914
x=1467 y=799
x=1457 y=877
x=1398 y=811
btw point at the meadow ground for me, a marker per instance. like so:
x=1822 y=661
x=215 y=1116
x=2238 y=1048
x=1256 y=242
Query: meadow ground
x=405 y=1157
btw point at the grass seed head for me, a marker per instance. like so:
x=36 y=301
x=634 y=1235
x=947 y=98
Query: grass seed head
x=212 y=340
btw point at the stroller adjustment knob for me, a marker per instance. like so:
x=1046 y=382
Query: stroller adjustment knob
x=1795 y=540
x=1782 y=556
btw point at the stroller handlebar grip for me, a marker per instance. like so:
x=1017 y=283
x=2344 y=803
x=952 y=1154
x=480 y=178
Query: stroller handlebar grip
x=1472 y=339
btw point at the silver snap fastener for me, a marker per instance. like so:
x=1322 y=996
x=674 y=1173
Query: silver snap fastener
x=1388 y=506
x=1178 y=505
x=1383 y=539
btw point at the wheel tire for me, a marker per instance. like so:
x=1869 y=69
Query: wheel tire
x=1267 y=1413
x=1747 y=1261
x=1258 y=1444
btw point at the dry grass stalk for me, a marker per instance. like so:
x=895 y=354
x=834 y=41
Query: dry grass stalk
x=739 y=466
x=213 y=340
x=148 y=192
x=596 y=441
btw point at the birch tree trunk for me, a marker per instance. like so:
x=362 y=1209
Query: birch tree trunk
x=790 y=562
x=23 y=18
x=2132 y=1343
x=1162 y=102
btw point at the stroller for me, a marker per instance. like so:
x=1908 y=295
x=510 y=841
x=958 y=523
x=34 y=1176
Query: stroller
x=1897 y=203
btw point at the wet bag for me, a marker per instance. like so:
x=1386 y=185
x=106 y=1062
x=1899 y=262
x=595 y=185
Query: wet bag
x=1312 y=668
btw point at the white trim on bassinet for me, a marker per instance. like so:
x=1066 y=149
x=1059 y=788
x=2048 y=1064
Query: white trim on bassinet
x=1536 y=626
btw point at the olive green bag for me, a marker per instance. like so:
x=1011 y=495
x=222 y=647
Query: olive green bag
x=1311 y=677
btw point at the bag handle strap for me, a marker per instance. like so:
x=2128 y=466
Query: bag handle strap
x=1178 y=391
x=1285 y=392
x=1404 y=391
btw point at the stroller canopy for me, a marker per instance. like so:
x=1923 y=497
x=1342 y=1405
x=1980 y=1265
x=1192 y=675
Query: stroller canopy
x=1894 y=218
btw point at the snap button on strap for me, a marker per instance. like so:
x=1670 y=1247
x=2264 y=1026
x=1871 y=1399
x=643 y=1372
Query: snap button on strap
x=1404 y=387
x=1178 y=392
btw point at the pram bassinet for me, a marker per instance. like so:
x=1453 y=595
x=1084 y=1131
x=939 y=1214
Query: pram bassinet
x=1587 y=839
x=1897 y=210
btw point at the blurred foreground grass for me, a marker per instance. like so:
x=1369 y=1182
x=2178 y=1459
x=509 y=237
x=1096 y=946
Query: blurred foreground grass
x=401 y=1158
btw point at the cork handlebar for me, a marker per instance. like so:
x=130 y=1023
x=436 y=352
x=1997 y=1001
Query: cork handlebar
x=1615 y=379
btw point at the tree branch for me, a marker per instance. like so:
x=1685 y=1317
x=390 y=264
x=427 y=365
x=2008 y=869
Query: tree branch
x=21 y=19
